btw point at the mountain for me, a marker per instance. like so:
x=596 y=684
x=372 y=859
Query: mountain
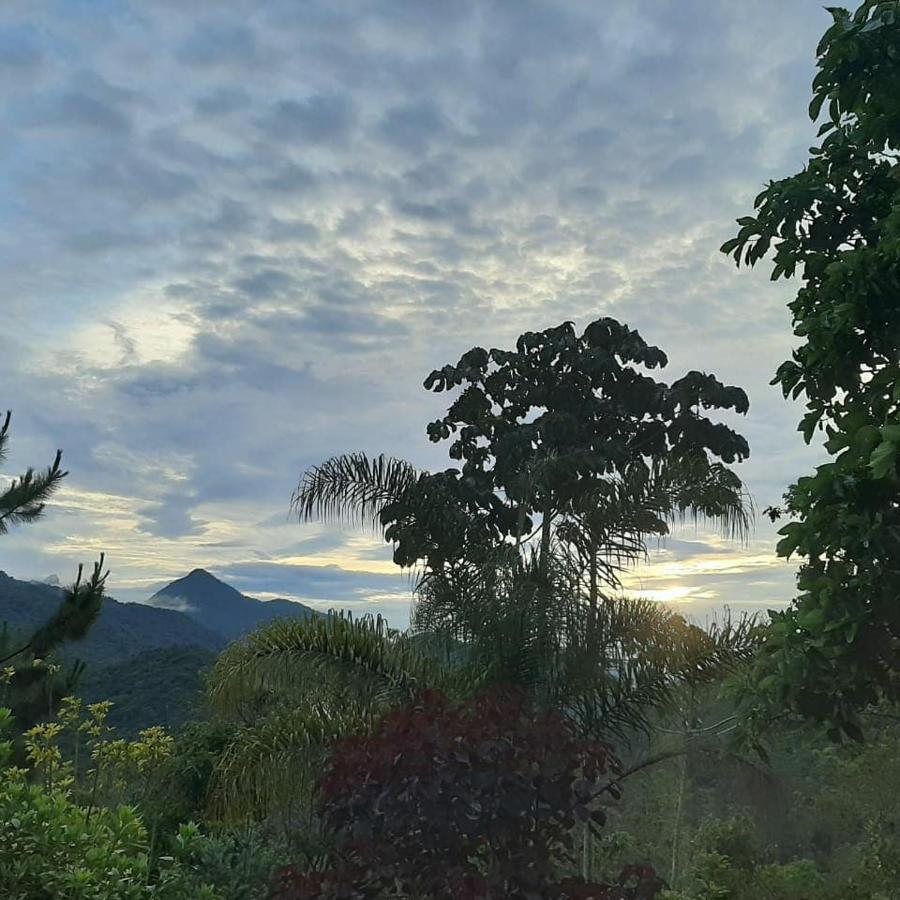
x=148 y=657
x=220 y=607
x=121 y=630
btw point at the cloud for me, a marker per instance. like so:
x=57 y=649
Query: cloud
x=414 y=127
x=319 y=584
x=219 y=44
x=20 y=51
x=315 y=120
x=237 y=237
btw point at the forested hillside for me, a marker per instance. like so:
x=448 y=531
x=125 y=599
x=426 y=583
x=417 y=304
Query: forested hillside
x=124 y=629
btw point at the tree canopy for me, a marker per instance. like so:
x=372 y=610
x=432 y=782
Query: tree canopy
x=566 y=436
x=835 y=227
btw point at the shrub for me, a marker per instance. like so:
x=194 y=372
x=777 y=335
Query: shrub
x=478 y=799
x=51 y=848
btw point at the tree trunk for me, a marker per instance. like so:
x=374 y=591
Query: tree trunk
x=545 y=537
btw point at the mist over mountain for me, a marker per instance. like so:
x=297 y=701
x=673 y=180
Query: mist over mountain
x=218 y=606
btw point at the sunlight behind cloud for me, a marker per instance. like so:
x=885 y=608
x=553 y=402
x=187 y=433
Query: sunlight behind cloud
x=139 y=332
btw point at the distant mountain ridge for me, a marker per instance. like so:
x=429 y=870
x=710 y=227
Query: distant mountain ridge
x=163 y=686
x=221 y=608
x=198 y=611
x=122 y=630
x=147 y=657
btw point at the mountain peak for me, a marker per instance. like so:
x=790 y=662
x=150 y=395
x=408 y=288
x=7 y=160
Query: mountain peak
x=222 y=608
x=199 y=573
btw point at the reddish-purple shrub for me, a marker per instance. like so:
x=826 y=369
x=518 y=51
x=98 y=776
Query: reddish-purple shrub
x=475 y=800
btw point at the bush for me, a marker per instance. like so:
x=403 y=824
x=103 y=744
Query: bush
x=237 y=863
x=51 y=848
x=471 y=800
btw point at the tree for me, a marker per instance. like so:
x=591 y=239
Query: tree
x=568 y=419
x=51 y=846
x=32 y=683
x=835 y=226
x=539 y=428
x=613 y=670
x=24 y=499
x=478 y=799
x=564 y=430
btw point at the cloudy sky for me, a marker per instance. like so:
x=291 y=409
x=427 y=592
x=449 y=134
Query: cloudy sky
x=236 y=237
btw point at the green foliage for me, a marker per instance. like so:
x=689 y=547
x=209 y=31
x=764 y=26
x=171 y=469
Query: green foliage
x=52 y=847
x=820 y=824
x=46 y=849
x=612 y=668
x=158 y=687
x=729 y=864
x=836 y=227
x=565 y=430
x=237 y=864
x=540 y=427
x=297 y=686
x=31 y=683
x=285 y=655
x=352 y=486
x=199 y=748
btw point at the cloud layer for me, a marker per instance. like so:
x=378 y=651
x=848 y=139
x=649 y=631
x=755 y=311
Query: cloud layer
x=237 y=236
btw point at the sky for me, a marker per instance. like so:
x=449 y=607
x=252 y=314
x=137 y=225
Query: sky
x=237 y=237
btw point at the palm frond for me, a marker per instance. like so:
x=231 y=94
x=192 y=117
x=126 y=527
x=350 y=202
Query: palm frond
x=604 y=528
x=697 y=490
x=276 y=760
x=640 y=658
x=300 y=685
x=284 y=658
x=352 y=487
x=614 y=668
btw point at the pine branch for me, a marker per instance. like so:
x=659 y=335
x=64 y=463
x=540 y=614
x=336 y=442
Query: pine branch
x=24 y=500
x=75 y=615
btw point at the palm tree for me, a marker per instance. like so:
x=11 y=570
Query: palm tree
x=352 y=487
x=501 y=612
x=612 y=668
x=605 y=527
x=296 y=686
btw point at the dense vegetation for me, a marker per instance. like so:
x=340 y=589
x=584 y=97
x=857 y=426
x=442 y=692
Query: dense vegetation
x=534 y=734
